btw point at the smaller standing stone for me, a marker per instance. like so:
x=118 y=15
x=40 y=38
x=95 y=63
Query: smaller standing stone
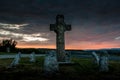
x=8 y=50
x=96 y=58
x=32 y=57
x=103 y=64
x=16 y=60
x=50 y=63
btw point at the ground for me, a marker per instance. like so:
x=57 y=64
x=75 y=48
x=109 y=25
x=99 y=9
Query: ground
x=83 y=69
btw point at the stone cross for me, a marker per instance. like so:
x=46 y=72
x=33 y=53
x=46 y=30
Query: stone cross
x=59 y=28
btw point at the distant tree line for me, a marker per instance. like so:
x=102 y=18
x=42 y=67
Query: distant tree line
x=8 y=45
x=30 y=50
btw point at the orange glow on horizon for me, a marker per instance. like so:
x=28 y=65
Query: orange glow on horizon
x=35 y=46
x=74 y=47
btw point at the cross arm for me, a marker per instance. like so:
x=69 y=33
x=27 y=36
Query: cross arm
x=52 y=27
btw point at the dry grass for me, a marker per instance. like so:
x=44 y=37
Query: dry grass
x=84 y=69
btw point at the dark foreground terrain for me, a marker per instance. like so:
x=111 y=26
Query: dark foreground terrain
x=83 y=69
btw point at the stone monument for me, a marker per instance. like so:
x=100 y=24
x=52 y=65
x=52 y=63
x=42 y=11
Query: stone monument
x=103 y=63
x=16 y=60
x=96 y=58
x=8 y=49
x=59 y=28
x=50 y=63
x=32 y=57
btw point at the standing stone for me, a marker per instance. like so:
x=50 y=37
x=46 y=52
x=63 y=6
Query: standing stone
x=103 y=64
x=32 y=57
x=8 y=49
x=50 y=63
x=16 y=60
x=59 y=28
x=96 y=58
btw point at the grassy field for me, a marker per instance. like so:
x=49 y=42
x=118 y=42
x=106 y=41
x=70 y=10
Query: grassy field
x=5 y=53
x=83 y=69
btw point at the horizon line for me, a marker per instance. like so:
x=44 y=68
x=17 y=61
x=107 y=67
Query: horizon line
x=66 y=48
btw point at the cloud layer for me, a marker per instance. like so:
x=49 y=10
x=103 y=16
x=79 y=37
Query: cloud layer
x=95 y=23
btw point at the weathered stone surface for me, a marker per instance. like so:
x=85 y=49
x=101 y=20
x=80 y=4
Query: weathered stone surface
x=59 y=28
x=103 y=63
x=96 y=58
x=16 y=60
x=50 y=63
x=32 y=57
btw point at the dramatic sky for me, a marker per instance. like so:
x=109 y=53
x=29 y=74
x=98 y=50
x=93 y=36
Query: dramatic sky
x=95 y=23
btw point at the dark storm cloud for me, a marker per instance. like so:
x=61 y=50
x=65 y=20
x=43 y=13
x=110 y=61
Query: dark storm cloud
x=75 y=9
x=93 y=20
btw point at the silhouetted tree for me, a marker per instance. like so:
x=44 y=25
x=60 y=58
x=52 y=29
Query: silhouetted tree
x=8 y=45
